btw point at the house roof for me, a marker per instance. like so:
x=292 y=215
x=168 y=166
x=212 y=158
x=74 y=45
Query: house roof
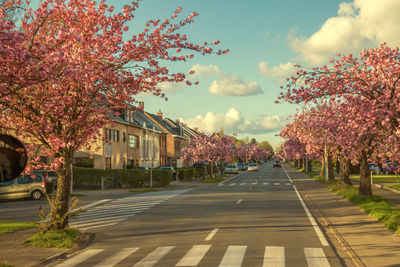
x=166 y=127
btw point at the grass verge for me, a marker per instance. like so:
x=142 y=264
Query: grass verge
x=10 y=226
x=216 y=179
x=394 y=186
x=376 y=206
x=381 y=178
x=145 y=190
x=54 y=239
x=6 y=265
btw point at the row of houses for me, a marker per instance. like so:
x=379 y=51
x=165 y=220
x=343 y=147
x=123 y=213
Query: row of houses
x=139 y=139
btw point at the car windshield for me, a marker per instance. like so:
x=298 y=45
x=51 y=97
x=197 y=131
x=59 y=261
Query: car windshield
x=253 y=164
x=231 y=166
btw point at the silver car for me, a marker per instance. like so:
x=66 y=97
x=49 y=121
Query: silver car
x=24 y=186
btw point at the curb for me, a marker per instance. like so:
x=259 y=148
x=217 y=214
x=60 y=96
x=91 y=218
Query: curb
x=381 y=186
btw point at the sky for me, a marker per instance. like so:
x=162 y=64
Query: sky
x=236 y=91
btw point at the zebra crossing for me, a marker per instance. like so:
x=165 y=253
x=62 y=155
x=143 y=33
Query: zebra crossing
x=255 y=184
x=233 y=257
x=113 y=212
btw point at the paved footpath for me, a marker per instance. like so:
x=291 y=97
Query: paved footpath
x=362 y=239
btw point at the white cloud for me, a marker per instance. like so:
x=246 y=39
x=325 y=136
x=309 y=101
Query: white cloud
x=278 y=72
x=208 y=70
x=360 y=24
x=233 y=85
x=234 y=122
x=170 y=87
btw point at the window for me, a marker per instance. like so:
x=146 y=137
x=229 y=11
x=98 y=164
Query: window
x=112 y=135
x=133 y=141
x=123 y=137
x=108 y=163
x=116 y=135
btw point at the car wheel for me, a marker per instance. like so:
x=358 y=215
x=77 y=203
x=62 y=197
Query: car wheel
x=36 y=194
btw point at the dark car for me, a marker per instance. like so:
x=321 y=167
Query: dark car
x=50 y=177
x=241 y=166
x=276 y=163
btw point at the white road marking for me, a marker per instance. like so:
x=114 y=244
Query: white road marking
x=232 y=184
x=243 y=183
x=154 y=256
x=116 y=258
x=277 y=183
x=91 y=204
x=97 y=226
x=80 y=258
x=274 y=257
x=310 y=217
x=238 y=202
x=194 y=255
x=233 y=256
x=265 y=183
x=288 y=184
x=96 y=223
x=254 y=183
x=316 y=257
x=211 y=235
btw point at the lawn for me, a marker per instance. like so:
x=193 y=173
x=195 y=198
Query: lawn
x=381 y=178
x=394 y=186
x=9 y=226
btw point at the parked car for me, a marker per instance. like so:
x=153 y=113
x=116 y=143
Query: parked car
x=374 y=168
x=276 y=163
x=241 y=166
x=231 y=168
x=390 y=168
x=51 y=178
x=253 y=167
x=141 y=168
x=24 y=186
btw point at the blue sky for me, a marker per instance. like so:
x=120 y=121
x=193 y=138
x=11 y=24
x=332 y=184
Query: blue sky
x=266 y=37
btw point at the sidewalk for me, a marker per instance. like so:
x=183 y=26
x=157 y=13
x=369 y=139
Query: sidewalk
x=361 y=239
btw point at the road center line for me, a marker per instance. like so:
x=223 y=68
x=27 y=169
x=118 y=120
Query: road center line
x=310 y=217
x=211 y=235
x=238 y=202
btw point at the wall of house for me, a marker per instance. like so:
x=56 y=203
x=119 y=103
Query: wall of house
x=150 y=149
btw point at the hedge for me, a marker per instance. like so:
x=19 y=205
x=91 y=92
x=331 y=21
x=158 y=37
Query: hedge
x=185 y=173
x=91 y=178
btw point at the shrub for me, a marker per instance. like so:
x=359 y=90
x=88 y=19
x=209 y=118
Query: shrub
x=185 y=173
x=91 y=178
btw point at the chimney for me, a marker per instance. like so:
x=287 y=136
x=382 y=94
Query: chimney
x=196 y=129
x=159 y=114
x=177 y=122
x=141 y=106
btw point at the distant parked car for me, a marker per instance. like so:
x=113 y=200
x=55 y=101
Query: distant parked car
x=141 y=168
x=241 y=166
x=374 y=168
x=276 y=163
x=24 y=186
x=390 y=168
x=253 y=167
x=231 y=168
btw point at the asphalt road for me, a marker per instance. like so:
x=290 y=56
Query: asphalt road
x=254 y=219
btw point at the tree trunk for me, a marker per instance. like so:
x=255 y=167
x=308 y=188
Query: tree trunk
x=212 y=169
x=345 y=171
x=365 y=176
x=338 y=167
x=309 y=165
x=303 y=163
x=60 y=209
x=322 y=170
x=330 y=169
x=297 y=163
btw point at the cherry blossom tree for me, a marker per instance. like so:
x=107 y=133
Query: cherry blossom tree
x=70 y=65
x=248 y=152
x=209 y=148
x=365 y=90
